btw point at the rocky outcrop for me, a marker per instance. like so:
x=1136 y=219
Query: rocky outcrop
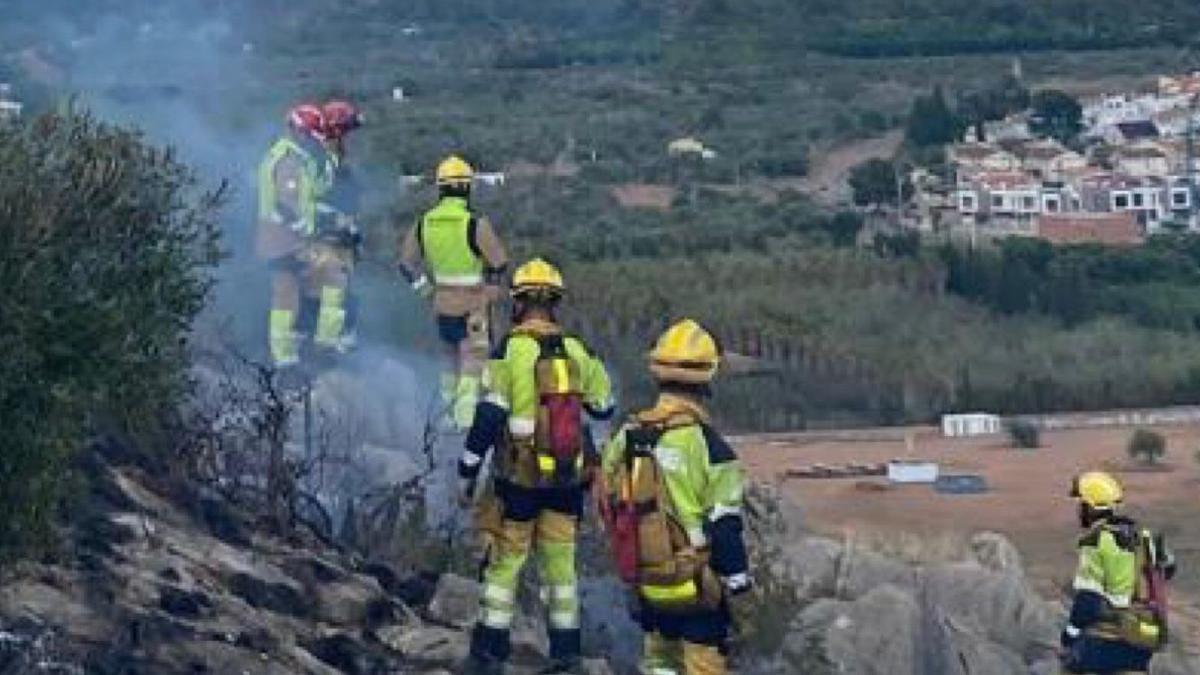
x=151 y=586
x=862 y=612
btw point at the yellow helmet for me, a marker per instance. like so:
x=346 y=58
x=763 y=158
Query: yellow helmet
x=537 y=276
x=685 y=353
x=1097 y=489
x=454 y=170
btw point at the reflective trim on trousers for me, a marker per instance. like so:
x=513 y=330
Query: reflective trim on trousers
x=495 y=618
x=564 y=620
x=498 y=594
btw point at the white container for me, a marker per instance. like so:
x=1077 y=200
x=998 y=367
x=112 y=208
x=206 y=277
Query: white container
x=916 y=471
x=971 y=424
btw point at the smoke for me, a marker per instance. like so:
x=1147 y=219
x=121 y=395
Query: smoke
x=201 y=78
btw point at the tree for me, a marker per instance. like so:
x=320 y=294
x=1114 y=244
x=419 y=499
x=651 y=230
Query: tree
x=875 y=182
x=106 y=247
x=992 y=103
x=1024 y=434
x=1147 y=446
x=1056 y=114
x=931 y=122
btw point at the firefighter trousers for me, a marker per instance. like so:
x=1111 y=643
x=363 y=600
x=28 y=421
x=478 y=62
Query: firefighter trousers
x=545 y=523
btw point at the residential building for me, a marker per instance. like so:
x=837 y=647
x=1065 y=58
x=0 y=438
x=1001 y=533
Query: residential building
x=973 y=158
x=1006 y=200
x=1144 y=197
x=1012 y=128
x=1141 y=160
x=1049 y=159
x=1124 y=133
x=1182 y=85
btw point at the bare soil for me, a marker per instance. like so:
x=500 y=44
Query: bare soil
x=1027 y=500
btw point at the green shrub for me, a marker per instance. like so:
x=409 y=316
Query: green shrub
x=105 y=250
x=1147 y=446
x=1024 y=434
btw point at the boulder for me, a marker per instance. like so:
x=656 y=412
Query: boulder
x=455 y=602
x=995 y=552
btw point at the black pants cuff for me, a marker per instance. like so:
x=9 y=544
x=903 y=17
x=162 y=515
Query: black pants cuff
x=565 y=644
x=490 y=643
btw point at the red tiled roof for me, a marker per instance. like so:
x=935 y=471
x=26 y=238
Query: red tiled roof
x=1112 y=229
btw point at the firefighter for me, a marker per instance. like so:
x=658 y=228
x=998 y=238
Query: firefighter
x=341 y=212
x=292 y=180
x=1118 y=613
x=672 y=502
x=539 y=385
x=455 y=254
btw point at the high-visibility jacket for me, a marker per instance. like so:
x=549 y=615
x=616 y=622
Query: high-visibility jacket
x=1112 y=596
x=511 y=399
x=313 y=181
x=702 y=478
x=446 y=244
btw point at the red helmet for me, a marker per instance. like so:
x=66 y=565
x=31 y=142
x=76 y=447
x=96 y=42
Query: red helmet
x=341 y=117
x=308 y=120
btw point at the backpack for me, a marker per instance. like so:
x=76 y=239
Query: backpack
x=558 y=437
x=1146 y=621
x=651 y=549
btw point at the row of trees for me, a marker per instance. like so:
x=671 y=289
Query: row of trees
x=1153 y=286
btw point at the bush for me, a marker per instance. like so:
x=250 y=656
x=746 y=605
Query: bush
x=105 y=253
x=1024 y=434
x=1147 y=446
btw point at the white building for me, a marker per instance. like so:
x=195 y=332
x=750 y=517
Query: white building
x=970 y=424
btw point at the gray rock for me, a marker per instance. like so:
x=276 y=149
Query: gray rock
x=995 y=552
x=456 y=601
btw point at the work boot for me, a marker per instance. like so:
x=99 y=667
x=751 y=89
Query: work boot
x=477 y=664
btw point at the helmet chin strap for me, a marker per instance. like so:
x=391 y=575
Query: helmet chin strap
x=1089 y=516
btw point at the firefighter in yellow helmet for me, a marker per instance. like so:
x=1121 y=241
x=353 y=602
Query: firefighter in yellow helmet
x=1118 y=613
x=540 y=385
x=455 y=254
x=672 y=503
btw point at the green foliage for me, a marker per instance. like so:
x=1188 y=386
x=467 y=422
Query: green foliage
x=1153 y=285
x=1147 y=446
x=1056 y=114
x=105 y=250
x=932 y=122
x=876 y=182
x=991 y=103
x=1024 y=434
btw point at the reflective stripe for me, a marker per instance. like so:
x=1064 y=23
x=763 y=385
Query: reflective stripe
x=564 y=619
x=459 y=280
x=677 y=593
x=661 y=671
x=562 y=376
x=721 y=510
x=522 y=426
x=421 y=283
x=564 y=591
x=546 y=463
x=496 y=618
x=495 y=398
x=1072 y=631
x=470 y=459
x=737 y=582
x=494 y=593
x=696 y=537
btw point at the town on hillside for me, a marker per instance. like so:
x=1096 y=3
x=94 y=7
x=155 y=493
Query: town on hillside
x=1129 y=173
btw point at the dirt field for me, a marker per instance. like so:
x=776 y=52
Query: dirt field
x=1027 y=498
